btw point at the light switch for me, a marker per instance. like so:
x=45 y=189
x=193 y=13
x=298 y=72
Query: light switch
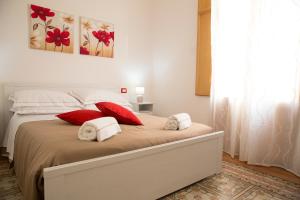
x=123 y=90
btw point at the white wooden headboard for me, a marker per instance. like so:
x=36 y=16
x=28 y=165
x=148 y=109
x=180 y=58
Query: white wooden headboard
x=10 y=88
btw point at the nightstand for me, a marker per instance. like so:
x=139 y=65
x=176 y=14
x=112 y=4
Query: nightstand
x=143 y=107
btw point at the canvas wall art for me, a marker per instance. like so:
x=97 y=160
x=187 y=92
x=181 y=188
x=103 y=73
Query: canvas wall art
x=96 y=38
x=50 y=30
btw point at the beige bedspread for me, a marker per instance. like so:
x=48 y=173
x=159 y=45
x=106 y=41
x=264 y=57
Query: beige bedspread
x=42 y=144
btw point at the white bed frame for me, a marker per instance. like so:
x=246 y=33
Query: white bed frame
x=142 y=174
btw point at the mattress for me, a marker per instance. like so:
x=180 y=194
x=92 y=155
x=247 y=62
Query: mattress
x=42 y=144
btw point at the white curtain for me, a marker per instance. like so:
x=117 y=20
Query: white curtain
x=256 y=79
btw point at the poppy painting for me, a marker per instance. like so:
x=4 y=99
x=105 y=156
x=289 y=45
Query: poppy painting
x=96 y=38
x=50 y=30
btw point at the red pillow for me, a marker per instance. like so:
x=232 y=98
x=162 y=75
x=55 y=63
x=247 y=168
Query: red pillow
x=78 y=117
x=122 y=115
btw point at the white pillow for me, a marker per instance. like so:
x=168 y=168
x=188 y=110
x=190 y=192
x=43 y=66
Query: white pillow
x=42 y=98
x=91 y=107
x=90 y=96
x=94 y=107
x=43 y=110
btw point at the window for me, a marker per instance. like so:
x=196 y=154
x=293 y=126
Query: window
x=203 y=67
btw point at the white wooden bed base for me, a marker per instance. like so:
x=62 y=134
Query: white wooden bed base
x=142 y=174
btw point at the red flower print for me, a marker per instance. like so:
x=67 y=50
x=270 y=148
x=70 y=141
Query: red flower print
x=84 y=51
x=112 y=35
x=41 y=12
x=59 y=38
x=102 y=36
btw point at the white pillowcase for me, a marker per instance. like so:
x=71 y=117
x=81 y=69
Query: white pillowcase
x=91 y=107
x=43 y=110
x=92 y=96
x=94 y=107
x=43 y=102
x=42 y=98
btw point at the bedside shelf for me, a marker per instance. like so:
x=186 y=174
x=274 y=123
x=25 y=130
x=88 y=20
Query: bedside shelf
x=143 y=107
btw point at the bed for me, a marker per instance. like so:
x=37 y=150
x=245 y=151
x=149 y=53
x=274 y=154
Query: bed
x=141 y=163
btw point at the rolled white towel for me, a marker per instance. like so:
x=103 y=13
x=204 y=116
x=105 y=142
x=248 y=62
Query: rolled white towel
x=100 y=129
x=178 y=122
x=109 y=128
x=87 y=132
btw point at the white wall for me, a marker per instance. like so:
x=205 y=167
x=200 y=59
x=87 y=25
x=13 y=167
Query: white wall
x=131 y=66
x=174 y=27
x=22 y=64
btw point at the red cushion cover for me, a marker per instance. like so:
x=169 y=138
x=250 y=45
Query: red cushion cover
x=122 y=115
x=78 y=117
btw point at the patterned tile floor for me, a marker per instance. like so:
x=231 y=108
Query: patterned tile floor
x=234 y=183
x=8 y=186
x=239 y=183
